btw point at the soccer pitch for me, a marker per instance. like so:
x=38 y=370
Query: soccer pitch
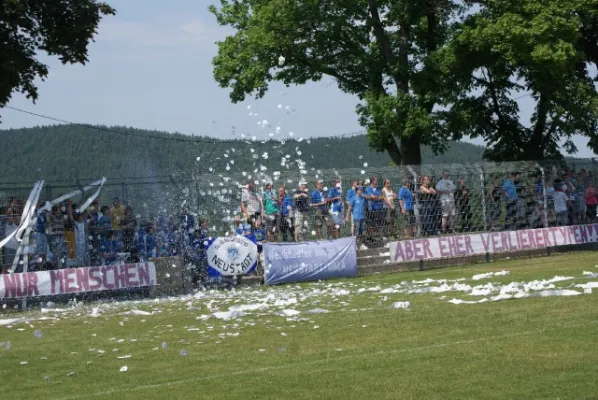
x=535 y=336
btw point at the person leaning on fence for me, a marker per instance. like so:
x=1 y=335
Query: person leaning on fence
x=350 y=194
x=301 y=198
x=251 y=206
x=462 y=196
x=272 y=212
x=510 y=190
x=390 y=198
x=335 y=201
x=591 y=201
x=560 y=205
x=406 y=197
x=375 y=213
x=319 y=206
x=494 y=204
x=285 y=203
x=357 y=212
x=427 y=195
x=446 y=188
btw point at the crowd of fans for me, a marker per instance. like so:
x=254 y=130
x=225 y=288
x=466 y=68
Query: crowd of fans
x=368 y=210
x=372 y=211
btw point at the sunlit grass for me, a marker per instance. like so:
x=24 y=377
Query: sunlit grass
x=530 y=348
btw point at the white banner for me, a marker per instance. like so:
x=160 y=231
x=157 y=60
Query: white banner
x=77 y=280
x=230 y=256
x=491 y=242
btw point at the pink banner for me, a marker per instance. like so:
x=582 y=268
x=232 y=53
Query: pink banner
x=77 y=280
x=491 y=242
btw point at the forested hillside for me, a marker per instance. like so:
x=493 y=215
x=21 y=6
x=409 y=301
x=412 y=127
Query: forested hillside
x=66 y=151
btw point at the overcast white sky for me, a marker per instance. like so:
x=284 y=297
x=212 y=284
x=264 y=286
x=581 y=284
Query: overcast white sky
x=150 y=68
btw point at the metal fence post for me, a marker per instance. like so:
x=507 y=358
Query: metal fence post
x=416 y=208
x=484 y=209
x=544 y=197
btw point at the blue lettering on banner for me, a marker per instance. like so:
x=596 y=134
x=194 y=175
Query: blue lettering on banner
x=231 y=256
x=309 y=261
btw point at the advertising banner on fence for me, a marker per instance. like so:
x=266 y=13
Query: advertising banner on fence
x=297 y=262
x=491 y=242
x=77 y=280
x=230 y=256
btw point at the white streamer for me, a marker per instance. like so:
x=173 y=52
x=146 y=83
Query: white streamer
x=84 y=206
x=26 y=215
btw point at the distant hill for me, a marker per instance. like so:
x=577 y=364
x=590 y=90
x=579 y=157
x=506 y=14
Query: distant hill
x=61 y=152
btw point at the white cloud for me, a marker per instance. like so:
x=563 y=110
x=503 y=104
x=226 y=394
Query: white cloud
x=182 y=33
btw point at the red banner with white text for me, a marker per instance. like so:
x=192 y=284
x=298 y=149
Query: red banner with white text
x=77 y=280
x=491 y=242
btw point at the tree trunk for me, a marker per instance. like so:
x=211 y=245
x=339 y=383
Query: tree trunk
x=535 y=149
x=411 y=151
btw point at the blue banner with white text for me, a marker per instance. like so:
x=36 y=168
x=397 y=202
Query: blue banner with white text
x=309 y=261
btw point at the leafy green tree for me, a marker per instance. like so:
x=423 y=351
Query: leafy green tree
x=60 y=28
x=378 y=50
x=544 y=50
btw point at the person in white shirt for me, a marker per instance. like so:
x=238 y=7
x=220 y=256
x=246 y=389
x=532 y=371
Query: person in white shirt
x=446 y=188
x=560 y=205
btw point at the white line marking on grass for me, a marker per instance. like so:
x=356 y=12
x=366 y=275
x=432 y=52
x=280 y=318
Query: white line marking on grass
x=318 y=361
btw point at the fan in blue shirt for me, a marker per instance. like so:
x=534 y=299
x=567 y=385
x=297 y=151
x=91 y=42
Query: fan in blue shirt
x=357 y=208
x=374 y=191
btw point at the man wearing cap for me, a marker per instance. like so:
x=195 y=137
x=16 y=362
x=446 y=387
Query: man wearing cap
x=301 y=199
x=336 y=209
x=319 y=205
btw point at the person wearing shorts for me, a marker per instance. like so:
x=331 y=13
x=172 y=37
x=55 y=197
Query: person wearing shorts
x=375 y=213
x=406 y=197
x=272 y=212
x=319 y=205
x=301 y=199
x=446 y=188
x=336 y=210
x=357 y=211
x=251 y=206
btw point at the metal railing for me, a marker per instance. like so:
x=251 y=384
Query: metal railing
x=479 y=202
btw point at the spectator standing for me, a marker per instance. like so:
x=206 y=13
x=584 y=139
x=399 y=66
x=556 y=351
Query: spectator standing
x=78 y=221
x=301 y=198
x=69 y=230
x=350 y=193
x=510 y=190
x=462 y=196
x=41 y=222
x=319 y=206
x=390 y=198
x=285 y=202
x=251 y=206
x=580 y=199
x=495 y=195
x=128 y=225
x=357 y=211
x=446 y=188
x=427 y=196
x=118 y=214
x=591 y=201
x=375 y=213
x=406 y=197
x=272 y=211
x=560 y=205
x=336 y=209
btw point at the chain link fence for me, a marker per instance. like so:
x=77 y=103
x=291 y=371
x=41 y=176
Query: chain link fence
x=409 y=201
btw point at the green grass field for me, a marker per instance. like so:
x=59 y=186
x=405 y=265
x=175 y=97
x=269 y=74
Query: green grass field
x=537 y=347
